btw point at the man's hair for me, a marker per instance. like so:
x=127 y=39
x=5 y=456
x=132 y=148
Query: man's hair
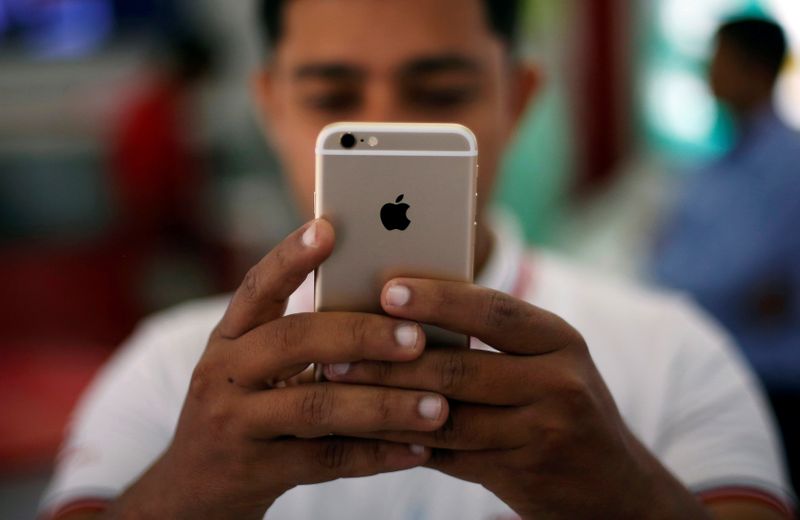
x=502 y=15
x=760 y=41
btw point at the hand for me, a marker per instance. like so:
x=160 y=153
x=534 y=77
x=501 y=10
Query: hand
x=536 y=424
x=245 y=436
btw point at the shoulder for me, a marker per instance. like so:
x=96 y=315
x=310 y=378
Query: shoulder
x=777 y=153
x=127 y=415
x=194 y=318
x=599 y=301
x=636 y=333
x=158 y=358
x=165 y=346
x=175 y=337
x=171 y=342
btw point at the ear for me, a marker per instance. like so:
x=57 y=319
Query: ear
x=268 y=111
x=527 y=80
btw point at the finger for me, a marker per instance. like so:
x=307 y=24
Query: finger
x=282 y=348
x=263 y=294
x=323 y=460
x=316 y=410
x=465 y=375
x=472 y=466
x=497 y=319
x=473 y=428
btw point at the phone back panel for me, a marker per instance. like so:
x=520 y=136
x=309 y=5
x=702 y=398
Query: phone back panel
x=434 y=169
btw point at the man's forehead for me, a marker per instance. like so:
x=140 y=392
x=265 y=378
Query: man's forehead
x=391 y=33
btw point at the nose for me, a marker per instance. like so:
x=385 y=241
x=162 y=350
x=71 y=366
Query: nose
x=382 y=103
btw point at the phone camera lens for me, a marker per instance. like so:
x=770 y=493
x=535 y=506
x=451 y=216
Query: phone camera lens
x=348 y=141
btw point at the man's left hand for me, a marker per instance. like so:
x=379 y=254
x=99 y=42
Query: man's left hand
x=535 y=423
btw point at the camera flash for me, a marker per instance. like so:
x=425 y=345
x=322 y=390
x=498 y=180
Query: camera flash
x=373 y=141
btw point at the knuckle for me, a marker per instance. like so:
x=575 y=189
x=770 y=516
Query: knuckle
x=336 y=455
x=568 y=337
x=531 y=426
x=383 y=408
x=554 y=437
x=280 y=258
x=250 y=284
x=574 y=392
x=289 y=332
x=571 y=338
x=220 y=419
x=296 y=329
x=282 y=336
x=201 y=381
x=216 y=335
x=384 y=370
x=377 y=453
x=578 y=342
x=501 y=309
x=285 y=263
x=453 y=372
x=317 y=405
x=445 y=299
x=357 y=330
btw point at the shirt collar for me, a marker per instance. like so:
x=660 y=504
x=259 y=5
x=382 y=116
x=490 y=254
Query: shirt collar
x=505 y=262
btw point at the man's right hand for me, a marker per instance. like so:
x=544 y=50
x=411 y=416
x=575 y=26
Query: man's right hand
x=245 y=437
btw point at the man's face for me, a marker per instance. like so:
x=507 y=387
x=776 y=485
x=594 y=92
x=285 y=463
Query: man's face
x=387 y=60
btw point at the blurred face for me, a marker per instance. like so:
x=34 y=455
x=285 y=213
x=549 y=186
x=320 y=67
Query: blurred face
x=388 y=61
x=736 y=82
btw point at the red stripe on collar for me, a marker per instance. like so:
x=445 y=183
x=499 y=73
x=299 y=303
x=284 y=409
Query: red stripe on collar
x=746 y=493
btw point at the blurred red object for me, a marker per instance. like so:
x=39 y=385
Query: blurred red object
x=63 y=310
x=39 y=386
x=67 y=293
x=155 y=167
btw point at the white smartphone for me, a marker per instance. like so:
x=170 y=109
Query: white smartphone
x=402 y=199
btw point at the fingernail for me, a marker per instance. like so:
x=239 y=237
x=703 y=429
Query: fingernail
x=338 y=369
x=430 y=407
x=416 y=449
x=407 y=335
x=398 y=295
x=310 y=236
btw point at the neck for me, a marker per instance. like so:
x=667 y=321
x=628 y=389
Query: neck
x=747 y=111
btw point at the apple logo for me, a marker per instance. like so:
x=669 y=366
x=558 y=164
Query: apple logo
x=394 y=216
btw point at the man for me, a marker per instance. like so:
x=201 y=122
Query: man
x=733 y=241
x=531 y=430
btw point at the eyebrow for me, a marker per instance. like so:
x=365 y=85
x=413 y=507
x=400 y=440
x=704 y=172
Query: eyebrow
x=424 y=66
x=329 y=71
x=432 y=65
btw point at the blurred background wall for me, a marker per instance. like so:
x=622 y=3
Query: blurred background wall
x=624 y=107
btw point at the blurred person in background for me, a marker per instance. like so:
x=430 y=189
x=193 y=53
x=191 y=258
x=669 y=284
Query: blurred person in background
x=158 y=169
x=161 y=166
x=637 y=408
x=733 y=241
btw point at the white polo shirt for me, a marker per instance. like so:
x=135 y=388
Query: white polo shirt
x=680 y=386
